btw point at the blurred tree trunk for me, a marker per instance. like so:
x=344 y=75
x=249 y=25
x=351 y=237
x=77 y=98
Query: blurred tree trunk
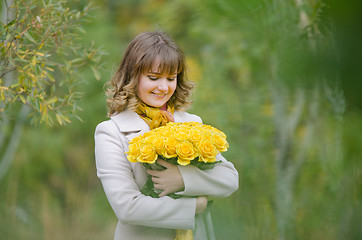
x=297 y=110
x=294 y=135
x=11 y=139
x=10 y=135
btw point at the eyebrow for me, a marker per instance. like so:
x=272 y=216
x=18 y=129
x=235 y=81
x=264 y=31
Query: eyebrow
x=158 y=73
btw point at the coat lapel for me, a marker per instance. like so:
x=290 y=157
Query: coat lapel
x=129 y=123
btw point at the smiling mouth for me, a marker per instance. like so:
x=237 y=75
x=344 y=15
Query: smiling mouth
x=160 y=94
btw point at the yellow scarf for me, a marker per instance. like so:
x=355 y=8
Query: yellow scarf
x=157 y=117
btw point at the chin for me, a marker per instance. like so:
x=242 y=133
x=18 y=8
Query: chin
x=154 y=104
x=158 y=105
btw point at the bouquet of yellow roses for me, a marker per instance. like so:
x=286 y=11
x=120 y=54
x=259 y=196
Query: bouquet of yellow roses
x=180 y=144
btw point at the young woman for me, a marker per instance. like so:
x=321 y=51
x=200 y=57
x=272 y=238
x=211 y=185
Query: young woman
x=150 y=89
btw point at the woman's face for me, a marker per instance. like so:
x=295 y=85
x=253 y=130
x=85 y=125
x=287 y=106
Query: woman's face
x=155 y=89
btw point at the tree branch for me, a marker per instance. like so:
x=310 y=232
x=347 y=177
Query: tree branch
x=7 y=71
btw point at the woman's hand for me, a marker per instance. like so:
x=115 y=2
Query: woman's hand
x=201 y=204
x=169 y=180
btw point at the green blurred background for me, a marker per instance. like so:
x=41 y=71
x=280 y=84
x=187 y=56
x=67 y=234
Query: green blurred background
x=275 y=76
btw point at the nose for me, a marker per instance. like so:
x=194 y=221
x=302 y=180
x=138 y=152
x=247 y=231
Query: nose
x=163 y=84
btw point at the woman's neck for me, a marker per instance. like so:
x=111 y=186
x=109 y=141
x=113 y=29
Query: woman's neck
x=164 y=107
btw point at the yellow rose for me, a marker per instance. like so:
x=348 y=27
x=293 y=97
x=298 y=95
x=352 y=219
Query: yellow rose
x=181 y=134
x=196 y=135
x=147 y=154
x=133 y=151
x=146 y=134
x=207 y=151
x=182 y=162
x=207 y=127
x=147 y=140
x=136 y=139
x=166 y=133
x=169 y=150
x=215 y=130
x=220 y=143
x=194 y=124
x=158 y=143
x=170 y=124
x=186 y=152
x=222 y=134
x=207 y=136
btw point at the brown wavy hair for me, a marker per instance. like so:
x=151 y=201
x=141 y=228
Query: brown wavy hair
x=139 y=58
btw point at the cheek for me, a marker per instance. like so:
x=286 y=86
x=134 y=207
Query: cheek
x=143 y=86
x=139 y=90
x=173 y=86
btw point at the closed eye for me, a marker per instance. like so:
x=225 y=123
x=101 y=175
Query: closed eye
x=153 y=78
x=171 y=79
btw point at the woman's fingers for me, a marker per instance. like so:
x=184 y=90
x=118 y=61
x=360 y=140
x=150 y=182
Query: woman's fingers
x=154 y=173
x=168 y=180
x=201 y=204
x=164 y=193
x=155 y=180
x=165 y=163
x=158 y=173
x=158 y=186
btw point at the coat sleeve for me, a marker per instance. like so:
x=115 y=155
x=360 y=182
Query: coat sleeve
x=220 y=181
x=123 y=194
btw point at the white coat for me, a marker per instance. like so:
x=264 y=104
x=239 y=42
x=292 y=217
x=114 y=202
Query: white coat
x=139 y=216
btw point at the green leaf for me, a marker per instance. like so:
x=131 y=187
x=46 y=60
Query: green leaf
x=2 y=95
x=77 y=60
x=11 y=23
x=52 y=100
x=66 y=119
x=59 y=119
x=23 y=100
x=33 y=61
x=29 y=37
x=79 y=118
x=96 y=73
x=14 y=99
x=80 y=29
x=37 y=105
x=21 y=60
x=50 y=76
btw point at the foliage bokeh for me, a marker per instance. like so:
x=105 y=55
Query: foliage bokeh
x=268 y=74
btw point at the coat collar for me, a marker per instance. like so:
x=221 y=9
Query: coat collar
x=129 y=121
